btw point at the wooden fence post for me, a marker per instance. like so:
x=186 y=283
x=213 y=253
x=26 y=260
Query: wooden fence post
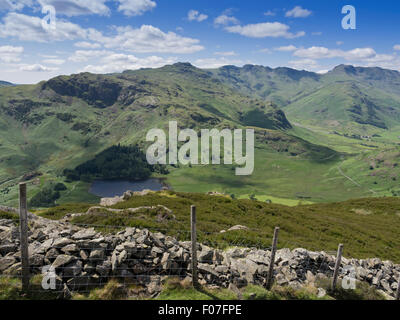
x=195 y=279
x=23 y=223
x=398 y=290
x=337 y=266
x=270 y=276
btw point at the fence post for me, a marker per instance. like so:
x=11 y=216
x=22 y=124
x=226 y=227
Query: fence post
x=195 y=279
x=398 y=290
x=337 y=266
x=272 y=260
x=23 y=223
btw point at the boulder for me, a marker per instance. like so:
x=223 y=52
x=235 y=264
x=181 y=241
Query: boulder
x=6 y=262
x=62 y=260
x=7 y=248
x=108 y=202
x=73 y=269
x=205 y=255
x=84 y=234
x=96 y=255
x=238 y=227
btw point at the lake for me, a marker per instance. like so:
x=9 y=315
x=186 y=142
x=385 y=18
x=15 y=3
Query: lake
x=112 y=188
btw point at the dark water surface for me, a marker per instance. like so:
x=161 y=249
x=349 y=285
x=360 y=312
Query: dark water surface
x=112 y=188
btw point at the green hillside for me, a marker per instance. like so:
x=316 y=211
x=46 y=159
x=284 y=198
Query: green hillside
x=348 y=99
x=333 y=119
x=278 y=85
x=342 y=104
x=367 y=227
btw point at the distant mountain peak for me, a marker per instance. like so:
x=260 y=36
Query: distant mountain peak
x=345 y=68
x=6 y=84
x=183 y=65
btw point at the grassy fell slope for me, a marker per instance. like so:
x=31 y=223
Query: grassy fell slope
x=345 y=97
x=67 y=120
x=367 y=227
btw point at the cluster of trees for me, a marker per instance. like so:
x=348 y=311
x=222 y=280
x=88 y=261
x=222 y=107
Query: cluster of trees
x=117 y=162
x=47 y=196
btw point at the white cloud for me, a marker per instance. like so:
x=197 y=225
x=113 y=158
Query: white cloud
x=269 y=13
x=378 y=58
x=144 y=39
x=29 y=28
x=317 y=53
x=339 y=43
x=77 y=7
x=265 y=50
x=57 y=62
x=362 y=56
x=148 y=39
x=226 y=53
x=118 y=62
x=87 y=45
x=48 y=56
x=85 y=55
x=397 y=47
x=37 y=68
x=305 y=64
x=225 y=20
x=213 y=63
x=317 y=33
x=194 y=15
x=10 y=54
x=135 y=7
x=286 y=48
x=324 y=53
x=298 y=12
x=266 y=29
x=14 y=5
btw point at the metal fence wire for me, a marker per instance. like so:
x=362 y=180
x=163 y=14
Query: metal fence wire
x=68 y=257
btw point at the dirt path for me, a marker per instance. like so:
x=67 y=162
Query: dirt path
x=353 y=181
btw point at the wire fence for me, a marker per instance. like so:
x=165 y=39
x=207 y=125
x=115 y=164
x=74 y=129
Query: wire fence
x=65 y=256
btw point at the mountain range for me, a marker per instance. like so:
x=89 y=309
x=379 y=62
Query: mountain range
x=5 y=84
x=310 y=128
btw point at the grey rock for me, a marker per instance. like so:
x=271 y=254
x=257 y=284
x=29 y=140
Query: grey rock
x=205 y=255
x=238 y=227
x=73 y=269
x=321 y=293
x=84 y=234
x=7 y=248
x=70 y=249
x=36 y=260
x=62 y=242
x=122 y=257
x=104 y=268
x=6 y=262
x=166 y=261
x=96 y=255
x=62 y=260
x=84 y=255
x=206 y=269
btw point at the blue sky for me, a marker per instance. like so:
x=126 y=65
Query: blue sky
x=103 y=36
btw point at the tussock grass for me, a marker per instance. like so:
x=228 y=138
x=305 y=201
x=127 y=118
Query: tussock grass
x=314 y=227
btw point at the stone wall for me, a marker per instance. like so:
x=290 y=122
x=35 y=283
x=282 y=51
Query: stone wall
x=84 y=258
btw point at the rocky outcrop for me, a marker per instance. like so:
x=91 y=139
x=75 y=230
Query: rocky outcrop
x=83 y=258
x=108 y=202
